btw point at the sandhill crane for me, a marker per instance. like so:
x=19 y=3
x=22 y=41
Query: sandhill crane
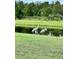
x=35 y=30
x=43 y=30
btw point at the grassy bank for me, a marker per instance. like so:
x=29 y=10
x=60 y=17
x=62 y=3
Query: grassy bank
x=42 y=24
x=30 y=46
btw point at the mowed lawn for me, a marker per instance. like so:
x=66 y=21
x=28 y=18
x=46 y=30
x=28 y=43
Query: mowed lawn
x=31 y=46
x=32 y=23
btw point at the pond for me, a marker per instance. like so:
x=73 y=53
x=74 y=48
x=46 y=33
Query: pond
x=54 y=32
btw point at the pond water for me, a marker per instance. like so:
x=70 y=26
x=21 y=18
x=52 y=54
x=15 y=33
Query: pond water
x=55 y=32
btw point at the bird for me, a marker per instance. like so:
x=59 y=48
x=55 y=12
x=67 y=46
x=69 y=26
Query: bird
x=43 y=30
x=35 y=30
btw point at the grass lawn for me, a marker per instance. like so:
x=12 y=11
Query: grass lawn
x=30 y=46
x=34 y=23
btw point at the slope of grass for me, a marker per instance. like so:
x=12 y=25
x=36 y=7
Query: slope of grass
x=34 y=23
x=30 y=46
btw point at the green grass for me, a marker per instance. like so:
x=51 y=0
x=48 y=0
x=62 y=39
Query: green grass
x=34 y=23
x=30 y=46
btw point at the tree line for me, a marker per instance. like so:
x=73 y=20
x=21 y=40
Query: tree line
x=23 y=9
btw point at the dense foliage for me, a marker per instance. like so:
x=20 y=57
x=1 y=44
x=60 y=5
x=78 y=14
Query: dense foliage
x=23 y=9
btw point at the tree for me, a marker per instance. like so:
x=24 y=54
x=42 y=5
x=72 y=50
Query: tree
x=19 y=9
x=37 y=9
x=57 y=3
